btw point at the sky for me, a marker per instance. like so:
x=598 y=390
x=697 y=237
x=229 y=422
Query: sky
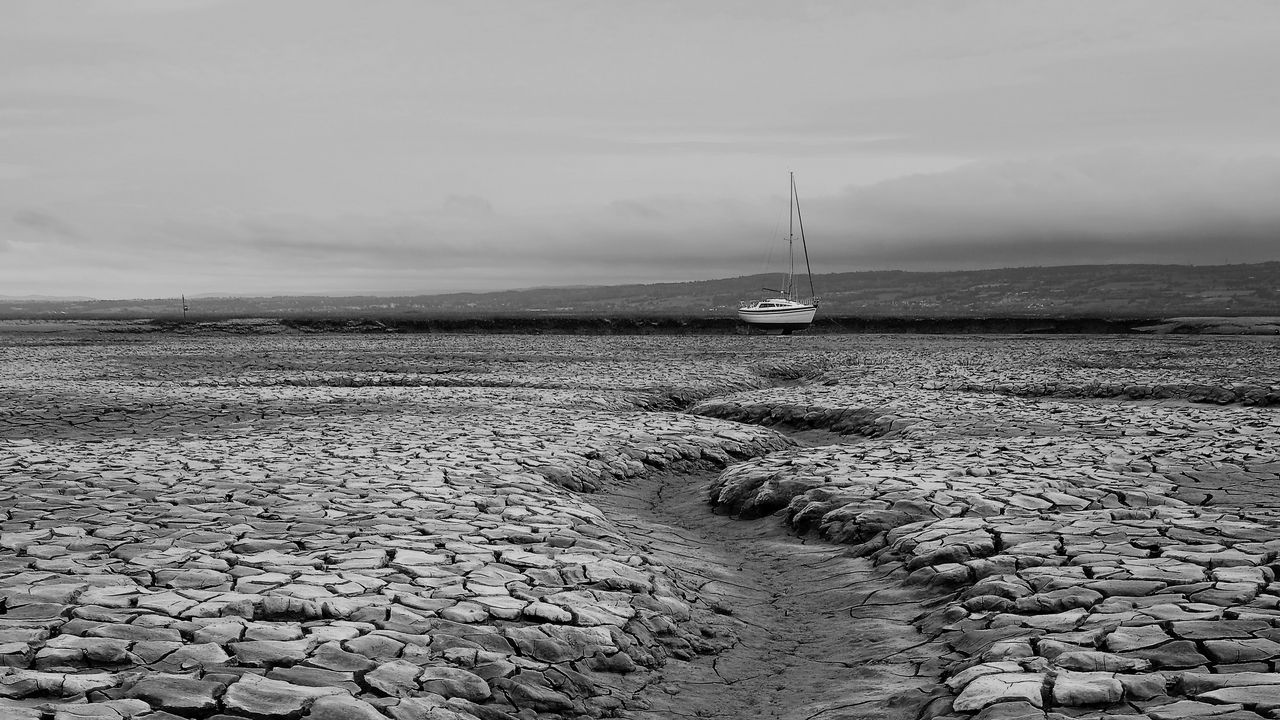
x=152 y=148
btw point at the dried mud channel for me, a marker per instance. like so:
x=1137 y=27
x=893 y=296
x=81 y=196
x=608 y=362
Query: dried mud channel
x=805 y=631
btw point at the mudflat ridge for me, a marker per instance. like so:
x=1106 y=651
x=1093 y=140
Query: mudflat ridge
x=356 y=526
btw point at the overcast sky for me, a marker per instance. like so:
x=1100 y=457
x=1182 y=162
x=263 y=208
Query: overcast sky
x=155 y=147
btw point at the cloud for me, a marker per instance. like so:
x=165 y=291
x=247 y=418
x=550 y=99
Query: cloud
x=1122 y=205
x=315 y=145
x=467 y=206
x=1119 y=205
x=42 y=112
x=43 y=226
x=13 y=171
x=146 y=7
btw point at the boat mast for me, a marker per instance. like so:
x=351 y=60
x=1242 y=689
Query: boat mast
x=791 y=237
x=812 y=295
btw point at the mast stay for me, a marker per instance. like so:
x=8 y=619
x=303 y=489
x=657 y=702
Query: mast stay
x=796 y=199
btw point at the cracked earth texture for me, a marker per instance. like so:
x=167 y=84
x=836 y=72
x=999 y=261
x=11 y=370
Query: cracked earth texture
x=358 y=526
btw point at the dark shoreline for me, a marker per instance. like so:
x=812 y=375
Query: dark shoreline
x=675 y=325
x=672 y=325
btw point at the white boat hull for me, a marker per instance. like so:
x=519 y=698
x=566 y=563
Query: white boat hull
x=791 y=318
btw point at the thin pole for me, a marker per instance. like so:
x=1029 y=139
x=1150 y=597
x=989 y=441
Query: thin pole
x=791 y=209
x=791 y=237
x=184 y=307
x=813 y=295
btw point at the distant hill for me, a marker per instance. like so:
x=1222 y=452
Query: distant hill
x=41 y=298
x=1155 y=291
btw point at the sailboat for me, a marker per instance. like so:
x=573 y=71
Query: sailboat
x=785 y=312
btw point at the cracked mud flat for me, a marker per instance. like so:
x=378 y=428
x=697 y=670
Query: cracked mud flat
x=809 y=631
x=492 y=527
